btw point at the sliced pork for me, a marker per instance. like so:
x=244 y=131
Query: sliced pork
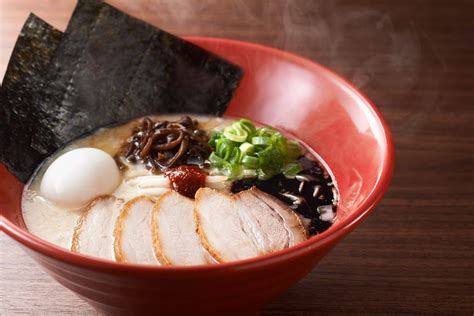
x=245 y=225
x=292 y=222
x=133 y=233
x=220 y=227
x=174 y=231
x=94 y=232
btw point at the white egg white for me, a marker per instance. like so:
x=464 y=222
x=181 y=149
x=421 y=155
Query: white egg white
x=78 y=176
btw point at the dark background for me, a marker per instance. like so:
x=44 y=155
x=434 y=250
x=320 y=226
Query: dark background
x=415 y=60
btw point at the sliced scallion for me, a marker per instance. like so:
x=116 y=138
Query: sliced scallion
x=291 y=169
x=242 y=150
x=261 y=140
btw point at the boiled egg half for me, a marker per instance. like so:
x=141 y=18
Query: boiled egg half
x=79 y=176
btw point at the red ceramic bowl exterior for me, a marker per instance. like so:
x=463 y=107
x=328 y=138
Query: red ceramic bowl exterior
x=280 y=89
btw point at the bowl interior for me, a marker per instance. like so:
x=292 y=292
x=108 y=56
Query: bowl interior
x=303 y=99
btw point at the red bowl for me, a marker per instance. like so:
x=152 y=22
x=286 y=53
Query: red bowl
x=279 y=89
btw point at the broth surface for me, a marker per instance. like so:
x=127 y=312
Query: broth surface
x=56 y=224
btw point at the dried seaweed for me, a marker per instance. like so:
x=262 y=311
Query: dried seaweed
x=21 y=86
x=187 y=79
x=114 y=67
x=108 y=67
x=94 y=64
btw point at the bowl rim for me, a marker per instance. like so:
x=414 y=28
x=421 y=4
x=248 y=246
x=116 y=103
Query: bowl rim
x=337 y=231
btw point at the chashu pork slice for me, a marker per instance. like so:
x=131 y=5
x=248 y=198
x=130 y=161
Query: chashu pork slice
x=245 y=225
x=133 y=232
x=220 y=227
x=175 y=238
x=94 y=232
x=296 y=230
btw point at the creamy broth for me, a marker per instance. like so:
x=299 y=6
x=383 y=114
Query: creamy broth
x=56 y=224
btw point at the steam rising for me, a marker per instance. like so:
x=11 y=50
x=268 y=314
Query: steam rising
x=361 y=43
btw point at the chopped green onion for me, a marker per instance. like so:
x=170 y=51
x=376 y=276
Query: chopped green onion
x=247 y=148
x=270 y=155
x=216 y=160
x=235 y=156
x=250 y=162
x=248 y=126
x=291 y=169
x=235 y=135
x=248 y=173
x=293 y=149
x=260 y=140
x=232 y=171
x=224 y=148
x=241 y=151
x=213 y=139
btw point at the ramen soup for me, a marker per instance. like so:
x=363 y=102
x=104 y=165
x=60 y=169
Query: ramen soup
x=180 y=190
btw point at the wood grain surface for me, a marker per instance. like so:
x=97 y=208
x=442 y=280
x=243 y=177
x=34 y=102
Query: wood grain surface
x=415 y=60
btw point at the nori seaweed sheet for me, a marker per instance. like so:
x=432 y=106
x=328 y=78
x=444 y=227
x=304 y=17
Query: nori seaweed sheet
x=94 y=64
x=114 y=67
x=108 y=68
x=188 y=79
x=20 y=89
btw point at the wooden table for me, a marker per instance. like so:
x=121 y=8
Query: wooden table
x=415 y=60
